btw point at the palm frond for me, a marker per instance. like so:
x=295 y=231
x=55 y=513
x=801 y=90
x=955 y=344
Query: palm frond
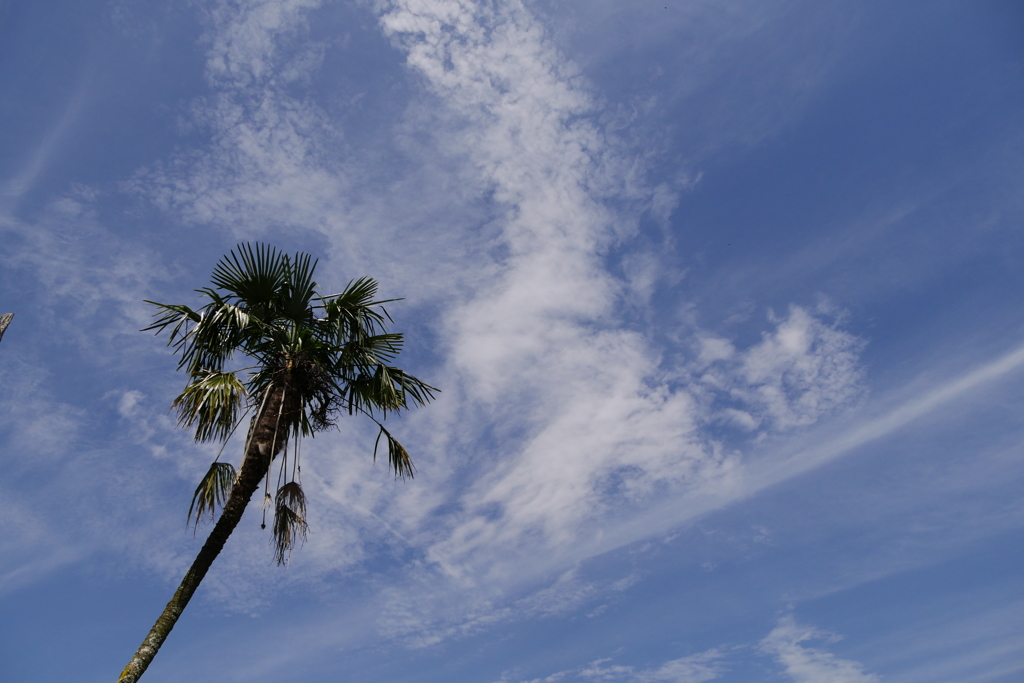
x=223 y=329
x=372 y=349
x=300 y=289
x=254 y=274
x=398 y=457
x=172 y=314
x=410 y=387
x=205 y=338
x=357 y=293
x=353 y=312
x=212 y=491
x=385 y=389
x=211 y=402
x=290 y=526
x=361 y=394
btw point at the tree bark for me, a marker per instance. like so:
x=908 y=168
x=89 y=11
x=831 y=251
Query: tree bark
x=266 y=442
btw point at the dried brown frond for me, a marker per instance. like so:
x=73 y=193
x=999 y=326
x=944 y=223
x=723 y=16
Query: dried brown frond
x=290 y=526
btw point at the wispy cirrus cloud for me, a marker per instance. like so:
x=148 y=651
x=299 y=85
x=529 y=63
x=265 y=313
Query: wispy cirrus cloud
x=628 y=454
x=698 y=668
x=13 y=189
x=542 y=342
x=562 y=430
x=706 y=666
x=593 y=425
x=981 y=644
x=803 y=369
x=805 y=664
x=786 y=644
x=559 y=423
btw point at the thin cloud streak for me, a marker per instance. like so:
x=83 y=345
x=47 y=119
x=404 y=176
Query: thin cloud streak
x=773 y=470
x=959 y=650
x=20 y=184
x=896 y=418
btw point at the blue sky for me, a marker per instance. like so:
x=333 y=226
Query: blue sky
x=723 y=298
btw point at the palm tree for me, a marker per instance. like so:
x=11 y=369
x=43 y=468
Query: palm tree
x=310 y=358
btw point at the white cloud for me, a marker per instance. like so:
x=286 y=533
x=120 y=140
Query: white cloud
x=268 y=165
x=698 y=668
x=806 y=664
x=245 y=41
x=37 y=432
x=91 y=283
x=68 y=495
x=561 y=433
x=591 y=426
x=30 y=548
x=803 y=369
x=693 y=669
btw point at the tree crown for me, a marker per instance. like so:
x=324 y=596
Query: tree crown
x=331 y=353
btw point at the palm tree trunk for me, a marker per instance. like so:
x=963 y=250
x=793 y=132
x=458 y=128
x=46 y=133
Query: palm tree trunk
x=264 y=445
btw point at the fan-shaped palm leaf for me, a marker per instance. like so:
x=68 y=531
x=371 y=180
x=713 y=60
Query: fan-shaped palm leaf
x=210 y=401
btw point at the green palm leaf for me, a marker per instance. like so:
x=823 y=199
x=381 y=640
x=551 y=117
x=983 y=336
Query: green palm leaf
x=254 y=274
x=210 y=401
x=212 y=491
x=398 y=457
